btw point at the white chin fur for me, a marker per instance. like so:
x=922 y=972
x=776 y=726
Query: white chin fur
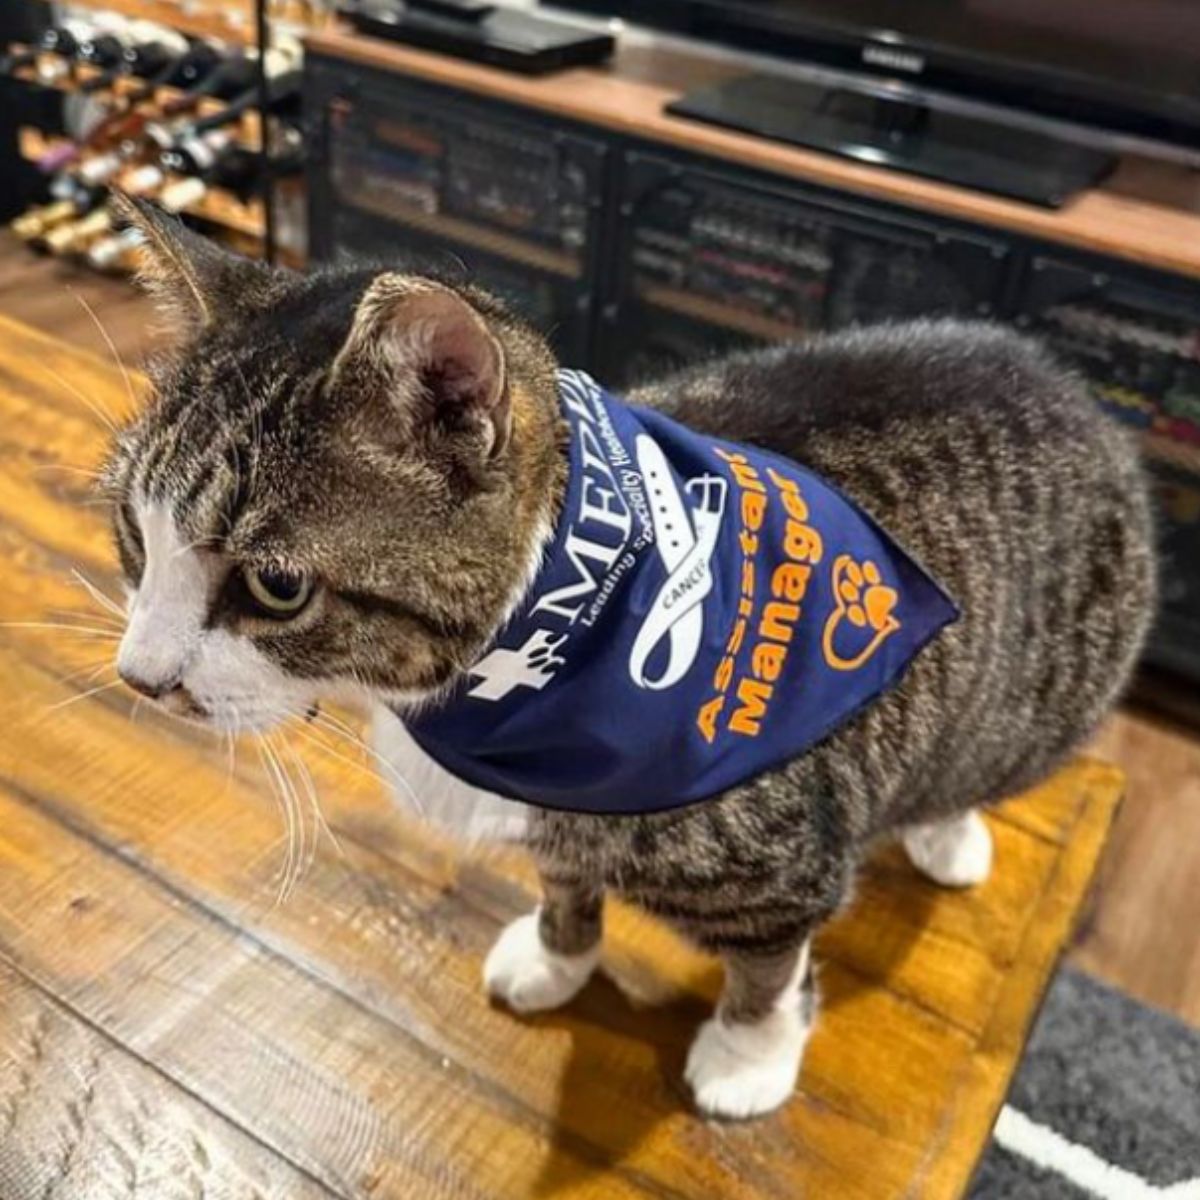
x=428 y=790
x=167 y=638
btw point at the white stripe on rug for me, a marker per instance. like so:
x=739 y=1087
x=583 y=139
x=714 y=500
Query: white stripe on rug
x=1043 y=1146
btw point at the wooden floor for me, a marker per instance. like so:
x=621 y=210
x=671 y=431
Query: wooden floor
x=172 y=1023
x=1139 y=933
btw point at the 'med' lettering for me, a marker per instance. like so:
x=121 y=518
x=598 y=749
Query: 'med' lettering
x=602 y=511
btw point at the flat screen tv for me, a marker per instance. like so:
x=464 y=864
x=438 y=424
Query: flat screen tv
x=1110 y=72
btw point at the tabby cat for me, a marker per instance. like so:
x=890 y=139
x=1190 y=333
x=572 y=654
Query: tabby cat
x=344 y=483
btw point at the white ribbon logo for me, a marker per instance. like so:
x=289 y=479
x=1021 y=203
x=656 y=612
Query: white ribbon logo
x=686 y=538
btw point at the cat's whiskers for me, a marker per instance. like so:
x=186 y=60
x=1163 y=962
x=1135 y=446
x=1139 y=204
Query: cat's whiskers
x=279 y=789
x=303 y=849
x=231 y=750
x=64 y=627
x=101 y=620
x=99 y=595
x=92 y=473
x=99 y=413
x=301 y=859
x=276 y=795
x=91 y=312
x=88 y=672
x=104 y=687
x=325 y=721
x=310 y=788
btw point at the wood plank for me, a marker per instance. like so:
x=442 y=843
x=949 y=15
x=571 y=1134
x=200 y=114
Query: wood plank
x=80 y=1119
x=1148 y=214
x=991 y=1064
x=347 y=1029
x=1140 y=935
x=409 y=948
x=44 y=292
x=352 y=1100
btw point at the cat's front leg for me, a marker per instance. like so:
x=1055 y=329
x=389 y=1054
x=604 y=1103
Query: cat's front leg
x=543 y=958
x=746 y=1058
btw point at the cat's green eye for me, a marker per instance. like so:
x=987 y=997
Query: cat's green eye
x=277 y=593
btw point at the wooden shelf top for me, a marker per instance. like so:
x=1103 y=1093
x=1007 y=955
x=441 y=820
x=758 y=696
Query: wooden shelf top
x=1148 y=213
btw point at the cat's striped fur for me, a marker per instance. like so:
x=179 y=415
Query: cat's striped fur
x=996 y=470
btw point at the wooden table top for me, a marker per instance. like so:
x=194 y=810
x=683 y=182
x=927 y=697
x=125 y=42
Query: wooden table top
x=165 y=1018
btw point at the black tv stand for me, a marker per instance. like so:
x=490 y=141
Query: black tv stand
x=898 y=132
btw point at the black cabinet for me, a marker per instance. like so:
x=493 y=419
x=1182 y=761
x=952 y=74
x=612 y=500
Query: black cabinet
x=402 y=173
x=706 y=259
x=635 y=258
x=1136 y=337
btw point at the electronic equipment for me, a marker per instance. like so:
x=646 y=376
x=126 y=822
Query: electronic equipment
x=1137 y=340
x=456 y=185
x=699 y=249
x=510 y=38
x=709 y=260
x=886 y=131
x=903 y=84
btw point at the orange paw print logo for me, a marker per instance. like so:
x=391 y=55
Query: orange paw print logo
x=863 y=602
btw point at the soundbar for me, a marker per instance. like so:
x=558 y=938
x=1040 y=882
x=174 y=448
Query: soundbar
x=509 y=38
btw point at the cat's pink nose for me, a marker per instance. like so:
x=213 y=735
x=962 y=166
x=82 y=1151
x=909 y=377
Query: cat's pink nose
x=153 y=689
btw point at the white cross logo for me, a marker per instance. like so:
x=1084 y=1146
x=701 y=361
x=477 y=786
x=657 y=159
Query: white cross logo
x=531 y=665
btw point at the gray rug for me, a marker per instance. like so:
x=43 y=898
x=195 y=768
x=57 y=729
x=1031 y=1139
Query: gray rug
x=1106 y=1103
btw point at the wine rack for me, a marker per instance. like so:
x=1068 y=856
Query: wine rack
x=227 y=20
x=135 y=105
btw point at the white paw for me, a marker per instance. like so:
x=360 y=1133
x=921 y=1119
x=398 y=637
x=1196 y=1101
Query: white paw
x=746 y=1070
x=954 y=853
x=529 y=978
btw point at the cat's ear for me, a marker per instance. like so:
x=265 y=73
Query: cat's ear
x=192 y=278
x=436 y=358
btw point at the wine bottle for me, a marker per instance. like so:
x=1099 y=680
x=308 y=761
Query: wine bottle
x=228 y=77
x=58 y=39
x=105 y=51
x=153 y=51
x=235 y=80
x=117 y=252
x=224 y=163
x=181 y=194
x=75 y=236
x=283 y=91
x=193 y=67
x=156 y=55
x=197 y=153
x=126 y=122
x=37 y=221
x=143 y=180
x=190 y=74
x=53 y=57
x=100 y=168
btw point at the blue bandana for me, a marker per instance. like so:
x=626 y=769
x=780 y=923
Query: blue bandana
x=704 y=612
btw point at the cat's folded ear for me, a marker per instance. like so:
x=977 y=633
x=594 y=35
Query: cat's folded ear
x=193 y=279
x=431 y=359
